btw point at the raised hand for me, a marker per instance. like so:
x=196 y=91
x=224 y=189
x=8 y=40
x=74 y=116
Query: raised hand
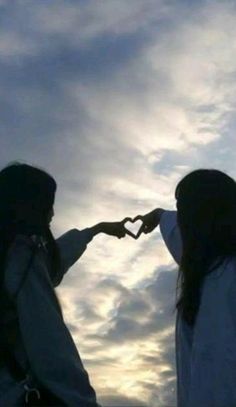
x=117 y=228
x=150 y=221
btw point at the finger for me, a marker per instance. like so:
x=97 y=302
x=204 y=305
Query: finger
x=121 y=235
x=120 y=231
x=148 y=229
x=126 y=220
x=139 y=217
x=141 y=230
x=130 y=233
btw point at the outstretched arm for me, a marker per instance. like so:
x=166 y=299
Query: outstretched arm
x=168 y=227
x=171 y=234
x=73 y=243
x=150 y=221
x=50 y=349
x=116 y=229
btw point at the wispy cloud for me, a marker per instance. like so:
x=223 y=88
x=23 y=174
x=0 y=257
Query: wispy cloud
x=118 y=100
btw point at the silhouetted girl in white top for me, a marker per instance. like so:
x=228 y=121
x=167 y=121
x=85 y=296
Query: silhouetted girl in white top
x=201 y=236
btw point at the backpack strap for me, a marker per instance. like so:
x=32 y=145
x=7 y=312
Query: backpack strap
x=8 y=357
x=34 y=250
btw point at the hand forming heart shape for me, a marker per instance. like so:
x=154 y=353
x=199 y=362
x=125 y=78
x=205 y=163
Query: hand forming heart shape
x=133 y=226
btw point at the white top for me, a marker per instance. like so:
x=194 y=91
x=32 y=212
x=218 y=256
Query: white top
x=206 y=353
x=43 y=337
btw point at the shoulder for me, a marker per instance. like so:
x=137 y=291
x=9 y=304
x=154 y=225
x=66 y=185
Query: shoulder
x=168 y=222
x=75 y=236
x=168 y=215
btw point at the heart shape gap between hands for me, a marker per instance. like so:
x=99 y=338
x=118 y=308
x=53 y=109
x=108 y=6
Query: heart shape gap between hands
x=133 y=226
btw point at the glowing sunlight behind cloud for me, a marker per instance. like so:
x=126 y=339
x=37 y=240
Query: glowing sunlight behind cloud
x=118 y=100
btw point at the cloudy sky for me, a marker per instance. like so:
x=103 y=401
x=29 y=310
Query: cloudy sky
x=118 y=100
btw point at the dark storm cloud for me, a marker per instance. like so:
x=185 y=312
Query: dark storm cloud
x=141 y=313
x=135 y=307
x=88 y=313
x=124 y=329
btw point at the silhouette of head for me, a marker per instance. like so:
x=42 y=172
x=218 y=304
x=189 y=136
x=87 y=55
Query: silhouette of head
x=27 y=198
x=206 y=204
x=206 y=214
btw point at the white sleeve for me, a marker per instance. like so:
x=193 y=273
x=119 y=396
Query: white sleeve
x=171 y=234
x=49 y=346
x=72 y=245
x=213 y=359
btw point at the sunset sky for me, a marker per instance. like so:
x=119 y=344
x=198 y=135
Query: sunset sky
x=118 y=100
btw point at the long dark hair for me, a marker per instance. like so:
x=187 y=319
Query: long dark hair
x=27 y=196
x=206 y=215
